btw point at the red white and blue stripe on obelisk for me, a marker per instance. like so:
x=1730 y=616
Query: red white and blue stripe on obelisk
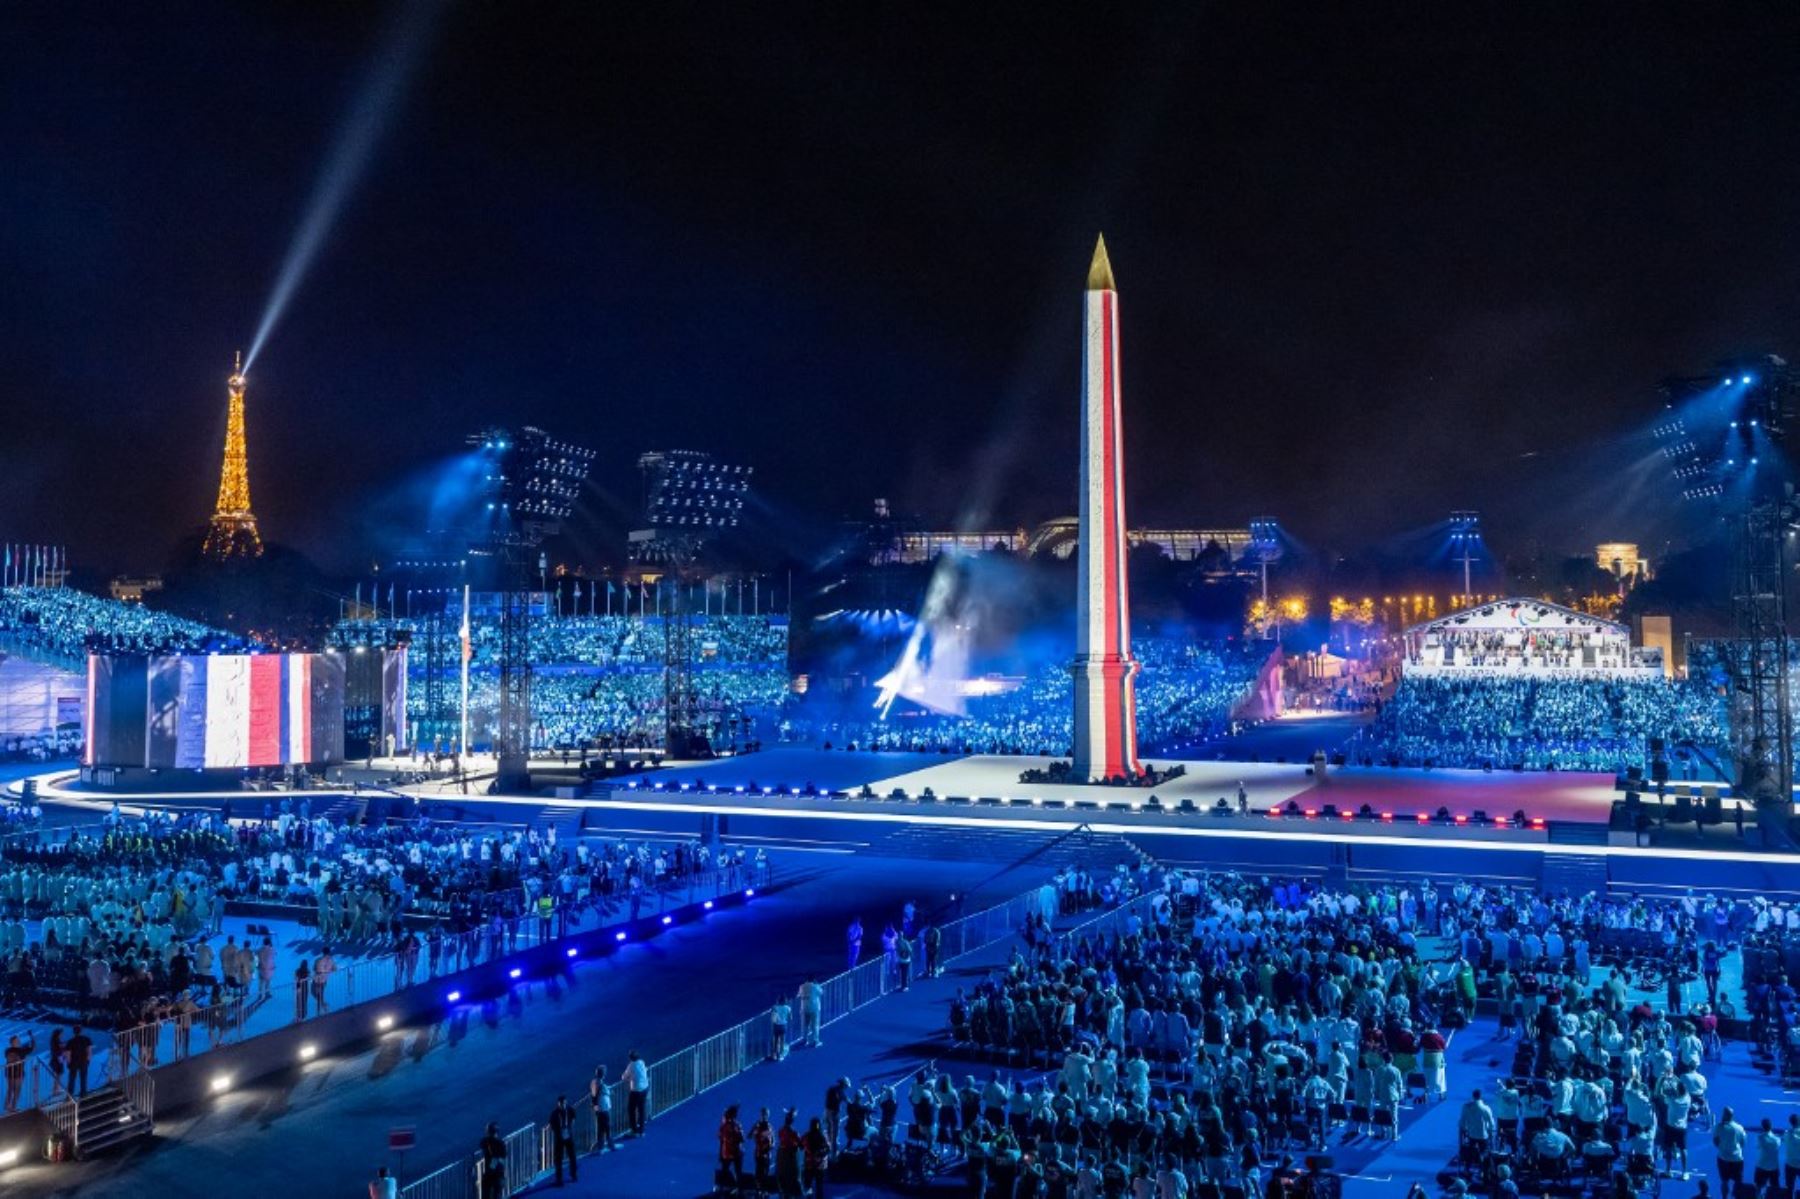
x=1105 y=699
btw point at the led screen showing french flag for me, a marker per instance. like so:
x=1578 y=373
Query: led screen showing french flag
x=226 y=711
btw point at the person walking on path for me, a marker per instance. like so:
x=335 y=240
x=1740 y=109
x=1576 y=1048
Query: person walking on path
x=302 y=978
x=637 y=1094
x=384 y=1185
x=890 y=955
x=600 y=1099
x=853 y=941
x=779 y=1015
x=1729 y=1139
x=787 y=1157
x=561 y=1123
x=15 y=1069
x=731 y=1148
x=493 y=1164
x=812 y=1004
x=818 y=1160
x=81 y=1055
x=323 y=968
x=933 y=941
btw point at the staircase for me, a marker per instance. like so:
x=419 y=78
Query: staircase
x=1575 y=873
x=999 y=846
x=107 y=1118
x=341 y=808
x=565 y=819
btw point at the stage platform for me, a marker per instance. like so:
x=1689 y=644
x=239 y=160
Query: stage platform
x=1586 y=798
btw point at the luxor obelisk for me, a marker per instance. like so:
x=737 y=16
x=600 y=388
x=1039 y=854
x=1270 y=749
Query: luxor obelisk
x=1105 y=698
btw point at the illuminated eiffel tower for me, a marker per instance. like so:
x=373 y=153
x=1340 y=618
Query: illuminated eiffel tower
x=233 y=531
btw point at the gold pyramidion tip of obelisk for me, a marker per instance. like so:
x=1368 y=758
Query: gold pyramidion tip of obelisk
x=1100 y=271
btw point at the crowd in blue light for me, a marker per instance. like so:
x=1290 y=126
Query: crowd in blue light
x=593 y=677
x=1576 y=722
x=65 y=623
x=1185 y=696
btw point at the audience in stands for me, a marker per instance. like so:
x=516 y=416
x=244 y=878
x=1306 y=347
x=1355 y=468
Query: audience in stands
x=1227 y=1028
x=1574 y=722
x=1185 y=696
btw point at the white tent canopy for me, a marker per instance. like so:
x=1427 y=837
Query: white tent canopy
x=1524 y=636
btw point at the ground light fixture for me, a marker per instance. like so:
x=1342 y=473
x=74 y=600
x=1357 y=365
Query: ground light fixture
x=221 y=1083
x=308 y=1052
x=383 y=1023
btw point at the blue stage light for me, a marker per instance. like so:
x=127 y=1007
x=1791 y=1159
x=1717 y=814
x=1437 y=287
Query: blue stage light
x=749 y=891
x=514 y=972
x=573 y=951
x=1747 y=379
x=707 y=905
x=619 y=936
x=667 y=920
x=453 y=996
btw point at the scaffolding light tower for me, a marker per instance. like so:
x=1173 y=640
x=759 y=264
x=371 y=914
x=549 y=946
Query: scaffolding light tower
x=689 y=498
x=533 y=481
x=1265 y=548
x=1725 y=434
x=1465 y=538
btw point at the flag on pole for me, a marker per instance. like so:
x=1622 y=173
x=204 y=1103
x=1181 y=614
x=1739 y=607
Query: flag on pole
x=468 y=644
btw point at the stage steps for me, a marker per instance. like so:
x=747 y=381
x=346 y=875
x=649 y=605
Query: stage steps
x=104 y=1119
x=1575 y=873
x=1001 y=846
x=342 y=808
x=564 y=818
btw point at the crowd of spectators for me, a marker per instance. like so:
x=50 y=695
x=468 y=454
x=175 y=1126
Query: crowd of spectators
x=1185 y=696
x=67 y=623
x=1226 y=1028
x=41 y=747
x=1571 y=722
x=119 y=922
x=594 y=678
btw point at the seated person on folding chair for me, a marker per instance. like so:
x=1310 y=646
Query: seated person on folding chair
x=1551 y=1149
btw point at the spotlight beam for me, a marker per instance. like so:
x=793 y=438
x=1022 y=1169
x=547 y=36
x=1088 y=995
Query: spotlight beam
x=345 y=164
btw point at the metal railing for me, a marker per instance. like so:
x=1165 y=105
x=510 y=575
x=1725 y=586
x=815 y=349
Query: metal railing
x=692 y=1071
x=61 y=1109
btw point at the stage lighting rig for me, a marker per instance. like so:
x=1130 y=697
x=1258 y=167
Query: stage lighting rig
x=689 y=498
x=1724 y=433
x=532 y=482
x=686 y=489
x=1264 y=548
x=1465 y=540
x=1721 y=432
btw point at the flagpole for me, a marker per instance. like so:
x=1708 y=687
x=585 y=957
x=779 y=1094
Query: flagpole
x=463 y=744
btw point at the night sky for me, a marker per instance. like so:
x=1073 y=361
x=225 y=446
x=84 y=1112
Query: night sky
x=1371 y=268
